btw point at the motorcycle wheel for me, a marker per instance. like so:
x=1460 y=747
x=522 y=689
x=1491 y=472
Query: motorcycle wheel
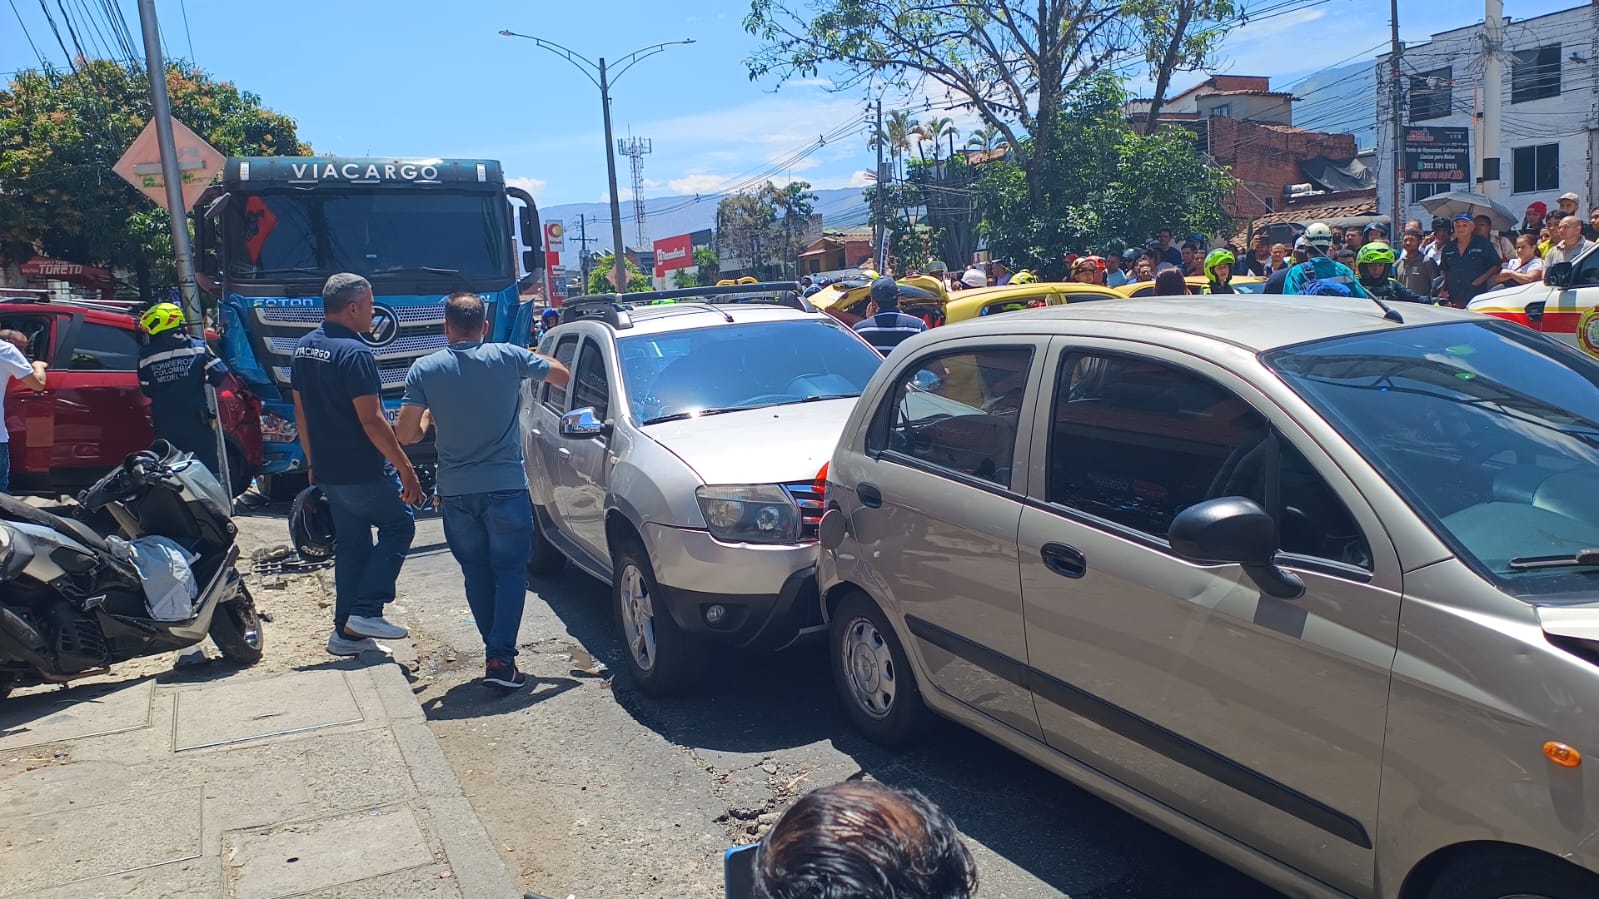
x=236 y=629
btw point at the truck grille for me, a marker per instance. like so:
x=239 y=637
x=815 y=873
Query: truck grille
x=311 y=316
x=811 y=498
x=391 y=374
x=411 y=342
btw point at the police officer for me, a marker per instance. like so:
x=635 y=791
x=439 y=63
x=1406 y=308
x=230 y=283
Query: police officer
x=173 y=369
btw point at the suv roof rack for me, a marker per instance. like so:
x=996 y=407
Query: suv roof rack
x=607 y=307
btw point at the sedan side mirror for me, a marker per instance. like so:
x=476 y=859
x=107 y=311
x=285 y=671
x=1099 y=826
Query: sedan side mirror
x=1558 y=275
x=1235 y=529
x=581 y=424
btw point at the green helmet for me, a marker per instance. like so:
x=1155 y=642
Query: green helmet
x=1376 y=254
x=1218 y=257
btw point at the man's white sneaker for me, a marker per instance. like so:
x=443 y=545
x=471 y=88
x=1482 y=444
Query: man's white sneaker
x=339 y=645
x=358 y=626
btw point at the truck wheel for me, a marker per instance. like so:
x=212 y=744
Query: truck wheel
x=283 y=488
x=661 y=657
x=873 y=675
x=544 y=557
x=236 y=629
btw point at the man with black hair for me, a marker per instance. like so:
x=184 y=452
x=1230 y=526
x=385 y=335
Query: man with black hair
x=473 y=391
x=864 y=840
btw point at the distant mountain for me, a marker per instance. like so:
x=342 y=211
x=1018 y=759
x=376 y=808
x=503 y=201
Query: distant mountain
x=1341 y=100
x=670 y=216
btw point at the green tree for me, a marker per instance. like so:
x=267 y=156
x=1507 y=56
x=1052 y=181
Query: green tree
x=1016 y=63
x=707 y=270
x=600 y=276
x=1178 y=36
x=937 y=131
x=986 y=138
x=60 y=133
x=760 y=231
x=1106 y=183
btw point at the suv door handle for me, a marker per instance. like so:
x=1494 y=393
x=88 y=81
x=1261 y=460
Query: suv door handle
x=1066 y=561
x=563 y=452
x=871 y=497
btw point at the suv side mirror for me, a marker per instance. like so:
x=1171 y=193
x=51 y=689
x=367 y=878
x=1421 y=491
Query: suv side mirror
x=1558 y=275
x=1235 y=529
x=581 y=424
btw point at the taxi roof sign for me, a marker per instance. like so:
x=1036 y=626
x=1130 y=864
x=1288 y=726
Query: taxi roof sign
x=198 y=164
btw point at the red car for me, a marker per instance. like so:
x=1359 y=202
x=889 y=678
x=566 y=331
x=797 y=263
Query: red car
x=93 y=413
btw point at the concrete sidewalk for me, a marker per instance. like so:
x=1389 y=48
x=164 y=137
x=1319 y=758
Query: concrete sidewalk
x=324 y=782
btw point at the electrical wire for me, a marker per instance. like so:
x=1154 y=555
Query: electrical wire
x=25 y=33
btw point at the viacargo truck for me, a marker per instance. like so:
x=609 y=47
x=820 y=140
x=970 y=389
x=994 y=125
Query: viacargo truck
x=1562 y=305
x=418 y=229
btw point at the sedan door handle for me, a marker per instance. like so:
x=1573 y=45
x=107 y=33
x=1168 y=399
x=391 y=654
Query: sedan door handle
x=871 y=497
x=1066 y=561
x=535 y=433
x=563 y=452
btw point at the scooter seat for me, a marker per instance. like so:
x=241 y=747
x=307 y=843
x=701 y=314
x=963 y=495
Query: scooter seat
x=16 y=510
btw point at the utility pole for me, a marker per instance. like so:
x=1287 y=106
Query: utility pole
x=618 y=261
x=177 y=213
x=1397 y=109
x=880 y=238
x=1493 y=83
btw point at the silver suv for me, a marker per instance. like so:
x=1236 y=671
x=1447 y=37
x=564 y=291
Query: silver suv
x=683 y=464
x=1315 y=590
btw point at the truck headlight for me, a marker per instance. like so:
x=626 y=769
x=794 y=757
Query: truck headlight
x=749 y=513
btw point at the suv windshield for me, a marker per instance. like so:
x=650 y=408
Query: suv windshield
x=1490 y=431
x=728 y=367
x=314 y=232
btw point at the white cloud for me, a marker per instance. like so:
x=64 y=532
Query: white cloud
x=534 y=186
x=697 y=183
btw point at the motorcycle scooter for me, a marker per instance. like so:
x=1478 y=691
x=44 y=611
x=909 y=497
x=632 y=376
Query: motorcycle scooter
x=72 y=601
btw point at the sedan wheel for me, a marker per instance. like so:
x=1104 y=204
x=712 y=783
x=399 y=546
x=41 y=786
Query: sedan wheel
x=868 y=667
x=873 y=676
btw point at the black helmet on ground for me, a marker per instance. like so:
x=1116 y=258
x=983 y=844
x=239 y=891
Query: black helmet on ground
x=311 y=525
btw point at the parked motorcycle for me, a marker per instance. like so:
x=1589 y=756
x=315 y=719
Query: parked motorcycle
x=146 y=565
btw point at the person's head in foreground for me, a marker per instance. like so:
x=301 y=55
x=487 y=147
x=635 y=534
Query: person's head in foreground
x=864 y=840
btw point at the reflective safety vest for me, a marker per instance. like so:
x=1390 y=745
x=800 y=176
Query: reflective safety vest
x=1320 y=268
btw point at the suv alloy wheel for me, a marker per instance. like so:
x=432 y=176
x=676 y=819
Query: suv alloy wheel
x=661 y=657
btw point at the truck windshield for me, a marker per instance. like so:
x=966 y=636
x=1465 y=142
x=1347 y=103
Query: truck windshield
x=1489 y=430
x=314 y=233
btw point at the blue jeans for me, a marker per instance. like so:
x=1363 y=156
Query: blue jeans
x=363 y=574
x=5 y=468
x=491 y=536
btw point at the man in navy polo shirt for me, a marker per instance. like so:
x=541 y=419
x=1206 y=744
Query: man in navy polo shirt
x=339 y=410
x=885 y=327
x=473 y=391
x=1467 y=262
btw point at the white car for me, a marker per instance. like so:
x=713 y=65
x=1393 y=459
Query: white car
x=684 y=464
x=1562 y=305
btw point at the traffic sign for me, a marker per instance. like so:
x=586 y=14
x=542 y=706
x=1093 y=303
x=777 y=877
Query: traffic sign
x=198 y=164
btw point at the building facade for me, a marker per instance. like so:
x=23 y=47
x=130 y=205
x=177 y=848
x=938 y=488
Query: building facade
x=1548 y=132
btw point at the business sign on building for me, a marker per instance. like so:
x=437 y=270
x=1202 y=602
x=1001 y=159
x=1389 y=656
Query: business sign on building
x=555 y=236
x=673 y=253
x=1437 y=155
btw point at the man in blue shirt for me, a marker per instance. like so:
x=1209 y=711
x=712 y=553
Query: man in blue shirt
x=887 y=327
x=173 y=370
x=338 y=408
x=472 y=391
x=1467 y=263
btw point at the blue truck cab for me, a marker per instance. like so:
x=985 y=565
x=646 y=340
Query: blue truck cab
x=418 y=229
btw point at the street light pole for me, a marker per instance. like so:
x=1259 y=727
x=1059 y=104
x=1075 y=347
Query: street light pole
x=618 y=261
x=601 y=76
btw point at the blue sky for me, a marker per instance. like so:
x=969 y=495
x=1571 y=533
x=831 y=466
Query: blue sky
x=410 y=78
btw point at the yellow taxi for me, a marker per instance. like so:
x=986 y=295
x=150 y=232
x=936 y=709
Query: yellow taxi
x=969 y=304
x=922 y=296
x=1196 y=284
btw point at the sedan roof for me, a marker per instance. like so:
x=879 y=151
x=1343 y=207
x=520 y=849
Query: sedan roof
x=1253 y=322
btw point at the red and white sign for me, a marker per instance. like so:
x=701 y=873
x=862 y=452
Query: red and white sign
x=198 y=164
x=62 y=270
x=555 y=236
x=674 y=253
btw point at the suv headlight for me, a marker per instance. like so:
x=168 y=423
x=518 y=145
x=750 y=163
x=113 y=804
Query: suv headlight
x=750 y=513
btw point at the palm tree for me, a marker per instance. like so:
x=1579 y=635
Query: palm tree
x=986 y=138
x=935 y=130
x=896 y=138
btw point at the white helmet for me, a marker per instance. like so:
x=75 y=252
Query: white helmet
x=1319 y=235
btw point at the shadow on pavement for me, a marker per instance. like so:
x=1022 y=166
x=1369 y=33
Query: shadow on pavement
x=473 y=700
x=765 y=702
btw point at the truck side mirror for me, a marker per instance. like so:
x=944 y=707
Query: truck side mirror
x=532 y=260
x=1558 y=275
x=530 y=227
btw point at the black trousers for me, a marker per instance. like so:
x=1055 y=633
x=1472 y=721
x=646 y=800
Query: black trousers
x=192 y=434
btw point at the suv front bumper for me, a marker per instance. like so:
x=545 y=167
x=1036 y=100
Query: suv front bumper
x=767 y=593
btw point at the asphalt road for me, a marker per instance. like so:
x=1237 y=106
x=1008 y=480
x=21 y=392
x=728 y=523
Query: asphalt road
x=594 y=790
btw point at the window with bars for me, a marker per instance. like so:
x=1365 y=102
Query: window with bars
x=1535 y=74
x=1422 y=191
x=1432 y=94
